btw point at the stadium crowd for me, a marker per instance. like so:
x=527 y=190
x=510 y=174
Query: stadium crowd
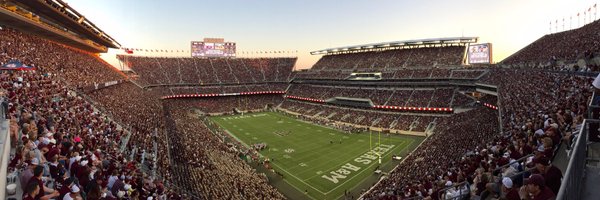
x=440 y=62
x=370 y=118
x=142 y=111
x=64 y=146
x=91 y=146
x=206 y=164
x=568 y=46
x=396 y=73
x=478 y=167
x=139 y=110
x=415 y=57
x=422 y=171
x=170 y=71
x=432 y=97
x=72 y=66
x=421 y=98
x=232 y=104
x=220 y=89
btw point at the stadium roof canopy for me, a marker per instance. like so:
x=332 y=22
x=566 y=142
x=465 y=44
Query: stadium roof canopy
x=61 y=13
x=398 y=44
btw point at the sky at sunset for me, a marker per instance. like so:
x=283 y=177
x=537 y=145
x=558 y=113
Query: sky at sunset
x=308 y=25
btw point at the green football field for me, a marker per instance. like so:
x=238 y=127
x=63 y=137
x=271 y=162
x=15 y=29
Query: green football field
x=320 y=162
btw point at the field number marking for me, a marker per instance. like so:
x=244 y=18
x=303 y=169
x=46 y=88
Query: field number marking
x=289 y=150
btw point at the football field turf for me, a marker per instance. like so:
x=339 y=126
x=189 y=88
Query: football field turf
x=318 y=161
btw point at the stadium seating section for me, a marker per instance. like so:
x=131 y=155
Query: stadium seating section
x=409 y=73
x=568 y=46
x=558 y=101
x=75 y=67
x=122 y=132
x=173 y=71
x=203 y=164
x=426 y=97
x=221 y=89
x=361 y=117
x=417 y=57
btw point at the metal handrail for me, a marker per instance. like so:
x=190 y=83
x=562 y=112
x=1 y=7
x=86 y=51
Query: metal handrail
x=458 y=185
x=572 y=183
x=593 y=109
x=510 y=163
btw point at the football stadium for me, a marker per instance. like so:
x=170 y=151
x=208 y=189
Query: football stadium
x=104 y=100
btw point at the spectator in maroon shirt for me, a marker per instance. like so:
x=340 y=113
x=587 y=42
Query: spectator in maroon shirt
x=56 y=169
x=510 y=192
x=83 y=173
x=27 y=174
x=535 y=189
x=66 y=188
x=31 y=191
x=37 y=178
x=52 y=150
x=552 y=175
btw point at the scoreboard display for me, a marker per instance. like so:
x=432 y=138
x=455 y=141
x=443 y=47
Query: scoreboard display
x=213 y=48
x=480 y=53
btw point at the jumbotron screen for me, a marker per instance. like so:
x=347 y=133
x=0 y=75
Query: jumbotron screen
x=480 y=53
x=212 y=49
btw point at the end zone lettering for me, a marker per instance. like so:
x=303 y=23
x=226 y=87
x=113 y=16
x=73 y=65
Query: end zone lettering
x=365 y=159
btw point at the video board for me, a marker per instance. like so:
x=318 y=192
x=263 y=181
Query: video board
x=212 y=49
x=480 y=53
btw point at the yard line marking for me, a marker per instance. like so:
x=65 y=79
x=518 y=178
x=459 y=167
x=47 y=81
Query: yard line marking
x=299 y=190
x=309 y=195
x=280 y=168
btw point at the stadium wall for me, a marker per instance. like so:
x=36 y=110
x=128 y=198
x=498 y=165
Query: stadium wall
x=5 y=141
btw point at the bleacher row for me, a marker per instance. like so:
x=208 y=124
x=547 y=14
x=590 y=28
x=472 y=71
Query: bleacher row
x=410 y=97
x=416 y=57
x=204 y=165
x=173 y=71
x=52 y=127
x=222 y=89
x=403 y=73
x=407 y=73
x=536 y=117
x=76 y=67
x=568 y=46
x=361 y=117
